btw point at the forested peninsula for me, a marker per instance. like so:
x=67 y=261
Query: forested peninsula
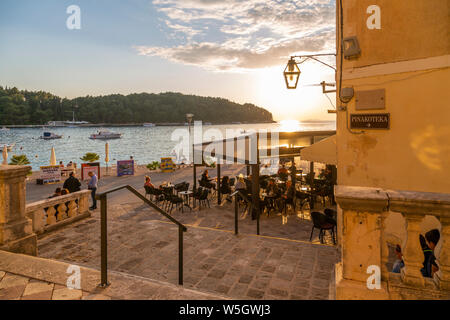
x=22 y=107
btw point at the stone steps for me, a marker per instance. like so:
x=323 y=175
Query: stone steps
x=22 y=272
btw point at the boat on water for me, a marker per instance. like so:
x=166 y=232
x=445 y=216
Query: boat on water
x=4 y=129
x=105 y=135
x=147 y=124
x=47 y=135
x=73 y=123
x=9 y=147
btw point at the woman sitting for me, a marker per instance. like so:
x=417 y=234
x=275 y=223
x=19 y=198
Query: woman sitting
x=225 y=187
x=205 y=181
x=148 y=182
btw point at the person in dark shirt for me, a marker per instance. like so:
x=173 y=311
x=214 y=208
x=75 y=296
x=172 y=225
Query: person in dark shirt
x=206 y=181
x=429 y=265
x=225 y=187
x=72 y=184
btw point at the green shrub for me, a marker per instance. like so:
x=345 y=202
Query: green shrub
x=90 y=157
x=153 y=166
x=19 y=160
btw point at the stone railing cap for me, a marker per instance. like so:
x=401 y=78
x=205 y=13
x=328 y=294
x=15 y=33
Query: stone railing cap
x=361 y=198
x=7 y=171
x=54 y=201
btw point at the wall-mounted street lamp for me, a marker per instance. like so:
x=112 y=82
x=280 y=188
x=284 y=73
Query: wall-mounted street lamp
x=292 y=71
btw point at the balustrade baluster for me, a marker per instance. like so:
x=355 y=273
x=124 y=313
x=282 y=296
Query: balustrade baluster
x=51 y=218
x=412 y=253
x=62 y=214
x=443 y=260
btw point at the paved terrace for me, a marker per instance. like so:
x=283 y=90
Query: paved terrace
x=281 y=264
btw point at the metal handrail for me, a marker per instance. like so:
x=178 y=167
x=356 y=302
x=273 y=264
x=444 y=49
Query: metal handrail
x=103 y=232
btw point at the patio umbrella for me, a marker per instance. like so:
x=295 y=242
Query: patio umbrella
x=53 y=157
x=5 y=155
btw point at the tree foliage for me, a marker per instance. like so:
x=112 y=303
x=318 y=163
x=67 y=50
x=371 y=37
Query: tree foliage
x=19 y=160
x=90 y=157
x=26 y=107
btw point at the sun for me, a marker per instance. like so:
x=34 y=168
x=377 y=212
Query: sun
x=289 y=126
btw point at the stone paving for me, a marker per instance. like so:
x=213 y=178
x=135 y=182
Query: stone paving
x=215 y=260
x=17 y=287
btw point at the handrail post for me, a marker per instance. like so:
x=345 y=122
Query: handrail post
x=257 y=221
x=104 y=241
x=180 y=255
x=236 y=208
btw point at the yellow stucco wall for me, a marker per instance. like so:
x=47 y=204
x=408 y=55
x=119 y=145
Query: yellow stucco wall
x=414 y=154
x=410 y=29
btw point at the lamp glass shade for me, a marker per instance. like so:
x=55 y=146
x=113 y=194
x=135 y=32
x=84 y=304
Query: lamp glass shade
x=291 y=74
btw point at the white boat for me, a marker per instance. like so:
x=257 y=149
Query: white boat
x=4 y=129
x=8 y=147
x=73 y=123
x=50 y=136
x=105 y=135
x=147 y=124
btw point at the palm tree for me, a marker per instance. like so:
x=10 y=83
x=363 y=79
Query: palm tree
x=19 y=160
x=90 y=157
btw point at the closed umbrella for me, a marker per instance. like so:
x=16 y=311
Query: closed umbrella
x=53 y=158
x=5 y=155
x=107 y=152
x=107 y=156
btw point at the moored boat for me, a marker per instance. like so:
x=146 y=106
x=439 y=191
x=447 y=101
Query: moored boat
x=105 y=135
x=50 y=136
x=147 y=124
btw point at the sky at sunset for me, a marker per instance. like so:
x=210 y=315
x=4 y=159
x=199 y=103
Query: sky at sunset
x=232 y=49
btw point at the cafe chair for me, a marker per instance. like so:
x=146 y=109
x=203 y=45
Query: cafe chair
x=323 y=223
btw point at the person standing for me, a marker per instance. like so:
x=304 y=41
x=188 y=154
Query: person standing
x=72 y=184
x=92 y=185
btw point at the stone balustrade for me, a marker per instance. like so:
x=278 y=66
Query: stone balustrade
x=48 y=214
x=372 y=222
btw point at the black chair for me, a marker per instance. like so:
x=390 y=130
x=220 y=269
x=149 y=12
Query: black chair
x=323 y=223
x=149 y=192
x=175 y=200
x=202 y=198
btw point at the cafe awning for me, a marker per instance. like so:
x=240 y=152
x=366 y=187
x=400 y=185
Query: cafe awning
x=323 y=151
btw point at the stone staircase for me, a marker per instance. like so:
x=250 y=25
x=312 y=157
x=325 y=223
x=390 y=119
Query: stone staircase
x=25 y=277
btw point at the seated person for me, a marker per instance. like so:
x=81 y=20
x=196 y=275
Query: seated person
x=240 y=184
x=272 y=188
x=287 y=196
x=205 y=181
x=429 y=265
x=225 y=187
x=148 y=182
x=398 y=264
x=283 y=173
x=56 y=194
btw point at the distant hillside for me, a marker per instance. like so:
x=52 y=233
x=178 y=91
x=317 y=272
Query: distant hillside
x=26 y=107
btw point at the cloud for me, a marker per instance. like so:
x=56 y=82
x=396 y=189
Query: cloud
x=236 y=35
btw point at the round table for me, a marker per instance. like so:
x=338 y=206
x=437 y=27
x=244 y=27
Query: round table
x=186 y=195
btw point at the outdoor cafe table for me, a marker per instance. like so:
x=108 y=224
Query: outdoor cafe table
x=186 y=195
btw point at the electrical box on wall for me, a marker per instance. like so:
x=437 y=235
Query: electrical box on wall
x=351 y=48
